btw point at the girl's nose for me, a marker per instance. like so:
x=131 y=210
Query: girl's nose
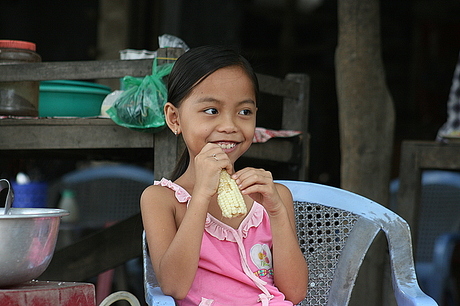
x=228 y=125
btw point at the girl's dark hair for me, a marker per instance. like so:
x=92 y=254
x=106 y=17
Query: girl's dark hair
x=193 y=67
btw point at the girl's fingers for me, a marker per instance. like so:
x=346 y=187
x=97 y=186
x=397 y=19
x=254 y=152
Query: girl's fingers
x=250 y=176
x=258 y=184
x=208 y=165
x=213 y=155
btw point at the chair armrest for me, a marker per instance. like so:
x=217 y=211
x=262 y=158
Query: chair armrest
x=155 y=297
x=424 y=300
x=406 y=288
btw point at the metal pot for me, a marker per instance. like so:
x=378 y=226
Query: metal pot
x=27 y=240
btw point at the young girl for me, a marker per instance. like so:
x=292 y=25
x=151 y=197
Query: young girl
x=200 y=257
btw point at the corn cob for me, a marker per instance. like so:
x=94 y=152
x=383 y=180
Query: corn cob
x=229 y=197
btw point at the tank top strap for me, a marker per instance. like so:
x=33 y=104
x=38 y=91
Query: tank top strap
x=181 y=194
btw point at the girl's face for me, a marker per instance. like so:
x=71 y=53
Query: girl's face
x=222 y=110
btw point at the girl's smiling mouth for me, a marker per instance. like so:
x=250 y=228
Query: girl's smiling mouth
x=227 y=146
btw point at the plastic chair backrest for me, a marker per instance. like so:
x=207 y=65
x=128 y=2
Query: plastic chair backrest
x=439 y=209
x=335 y=229
x=107 y=194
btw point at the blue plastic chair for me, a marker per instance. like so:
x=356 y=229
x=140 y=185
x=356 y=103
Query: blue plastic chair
x=106 y=194
x=335 y=229
x=438 y=225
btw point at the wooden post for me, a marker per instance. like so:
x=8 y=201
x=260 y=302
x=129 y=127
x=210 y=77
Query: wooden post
x=166 y=145
x=366 y=119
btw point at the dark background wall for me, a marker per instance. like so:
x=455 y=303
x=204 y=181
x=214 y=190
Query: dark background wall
x=420 y=43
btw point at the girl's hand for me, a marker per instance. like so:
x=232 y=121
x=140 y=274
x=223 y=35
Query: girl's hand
x=259 y=185
x=208 y=164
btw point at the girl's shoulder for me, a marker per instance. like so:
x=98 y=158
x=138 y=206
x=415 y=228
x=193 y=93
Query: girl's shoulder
x=158 y=203
x=284 y=192
x=156 y=190
x=155 y=195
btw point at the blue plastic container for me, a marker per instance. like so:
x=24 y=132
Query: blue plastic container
x=30 y=195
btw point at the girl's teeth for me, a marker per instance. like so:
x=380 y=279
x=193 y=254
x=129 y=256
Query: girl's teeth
x=227 y=145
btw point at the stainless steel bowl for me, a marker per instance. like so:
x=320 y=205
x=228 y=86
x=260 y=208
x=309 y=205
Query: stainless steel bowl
x=27 y=241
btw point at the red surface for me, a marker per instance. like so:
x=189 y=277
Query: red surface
x=43 y=293
x=17 y=44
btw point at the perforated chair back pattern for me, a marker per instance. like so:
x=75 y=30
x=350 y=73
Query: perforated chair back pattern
x=107 y=194
x=335 y=229
x=322 y=232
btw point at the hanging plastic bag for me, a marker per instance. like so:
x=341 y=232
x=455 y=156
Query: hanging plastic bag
x=140 y=106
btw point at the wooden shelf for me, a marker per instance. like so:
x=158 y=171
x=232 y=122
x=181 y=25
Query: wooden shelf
x=69 y=133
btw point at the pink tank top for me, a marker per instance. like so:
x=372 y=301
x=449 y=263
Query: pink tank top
x=235 y=266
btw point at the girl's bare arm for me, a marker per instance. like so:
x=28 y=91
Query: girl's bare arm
x=290 y=267
x=174 y=251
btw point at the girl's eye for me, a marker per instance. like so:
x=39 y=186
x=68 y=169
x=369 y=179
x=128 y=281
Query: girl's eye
x=211 y=111
x=245 y=112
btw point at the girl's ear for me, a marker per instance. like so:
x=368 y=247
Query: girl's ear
x=172 y=118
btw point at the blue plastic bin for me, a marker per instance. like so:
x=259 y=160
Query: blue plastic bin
x=30 y=195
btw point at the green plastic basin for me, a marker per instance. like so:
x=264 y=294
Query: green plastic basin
x=62 y=98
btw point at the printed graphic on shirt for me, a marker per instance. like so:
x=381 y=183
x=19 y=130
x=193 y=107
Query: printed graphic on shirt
x=262 y=258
